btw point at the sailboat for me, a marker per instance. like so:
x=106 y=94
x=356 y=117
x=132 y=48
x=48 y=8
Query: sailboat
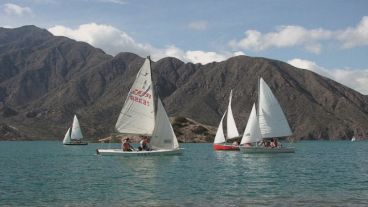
x=353 y=139
x=232 y=132
x=139 y=117
x=74 y=136
x=268 y=125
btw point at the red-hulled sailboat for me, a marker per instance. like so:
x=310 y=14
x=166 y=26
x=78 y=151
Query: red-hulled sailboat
x=232 y=132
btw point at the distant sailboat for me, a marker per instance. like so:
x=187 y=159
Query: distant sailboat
x=232 y=132
x=268 y=125
x=74 y=136
x=353 y=139
x=139 y=117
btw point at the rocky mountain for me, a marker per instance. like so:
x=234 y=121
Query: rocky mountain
x=45 y=80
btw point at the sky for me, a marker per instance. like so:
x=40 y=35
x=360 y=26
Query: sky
x=329 y=37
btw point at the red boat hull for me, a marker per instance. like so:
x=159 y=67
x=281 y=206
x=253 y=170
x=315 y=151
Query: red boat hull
x=225 y=147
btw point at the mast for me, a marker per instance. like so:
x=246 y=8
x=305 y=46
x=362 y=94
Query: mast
x=154 y=95
x=258 y=96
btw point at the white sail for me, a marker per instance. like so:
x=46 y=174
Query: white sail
x=137 y=115
x=252 y=132
x=163 y=136
x=232 y=131
x=67 y=138
x=76 y=130
x=220 y=137
x=272 y=120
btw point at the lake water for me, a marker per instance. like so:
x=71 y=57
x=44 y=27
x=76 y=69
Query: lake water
x=320 y=173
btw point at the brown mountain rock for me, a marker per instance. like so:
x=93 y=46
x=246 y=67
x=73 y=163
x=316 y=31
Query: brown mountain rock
x=45 y=80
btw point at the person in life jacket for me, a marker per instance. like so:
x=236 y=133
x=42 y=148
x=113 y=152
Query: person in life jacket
x=126 y=146
x=144 y=144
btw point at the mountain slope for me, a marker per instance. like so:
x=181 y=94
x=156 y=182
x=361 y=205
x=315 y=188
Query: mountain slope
x=45 y=80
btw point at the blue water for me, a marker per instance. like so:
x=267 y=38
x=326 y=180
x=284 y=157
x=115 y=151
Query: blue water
x=322 y=173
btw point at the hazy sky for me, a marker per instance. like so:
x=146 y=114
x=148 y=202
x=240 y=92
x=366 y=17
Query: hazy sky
x=327 y=36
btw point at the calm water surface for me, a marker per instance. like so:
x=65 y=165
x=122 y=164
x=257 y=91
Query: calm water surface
x=322 y=173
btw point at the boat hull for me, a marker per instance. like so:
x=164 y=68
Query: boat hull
x=263 y=150
x=225 y=147
x=120 y=152
x=82 y=143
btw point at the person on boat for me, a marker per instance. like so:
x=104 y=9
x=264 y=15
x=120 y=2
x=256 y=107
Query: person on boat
x=144 y=144
x=266 y=143
x=248 y=145
x=148 y=146
x=126 y=146
x=236 y=143
x=273 y=143
x=76 y=141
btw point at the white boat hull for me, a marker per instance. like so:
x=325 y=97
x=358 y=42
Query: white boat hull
x=253 y=150
x=120 y=152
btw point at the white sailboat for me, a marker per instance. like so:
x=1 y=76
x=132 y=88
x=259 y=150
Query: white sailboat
x=353 y=139
x=232 y=132
x=74 y=136
x=269 y=124
x=138 y=117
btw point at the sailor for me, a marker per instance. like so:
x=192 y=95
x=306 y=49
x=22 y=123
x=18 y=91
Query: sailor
x=126 y=145
x=144 y=144
x=248 y=145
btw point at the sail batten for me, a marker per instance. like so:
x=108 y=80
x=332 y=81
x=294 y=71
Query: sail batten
x=137 y=115
x=272 y=120
x=232 y=131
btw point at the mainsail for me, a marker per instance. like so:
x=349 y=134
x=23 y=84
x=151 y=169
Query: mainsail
x=76 y=130
x=252 y=132
x=272 y=120
x=232 y=131
x=163 y=136
x=137 y=115
x=220 y=137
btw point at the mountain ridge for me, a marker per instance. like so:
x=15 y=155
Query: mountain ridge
x=46 y=79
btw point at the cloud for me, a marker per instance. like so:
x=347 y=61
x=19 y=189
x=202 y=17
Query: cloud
x=121 y=2
x=285 y=36
x=355 y=79
x=14 y=9
x=198 y=25
x=44 y=1
x=193 y=56
x=356 y=36
x=113 y=41
x=106 y=37
x=310 y=39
